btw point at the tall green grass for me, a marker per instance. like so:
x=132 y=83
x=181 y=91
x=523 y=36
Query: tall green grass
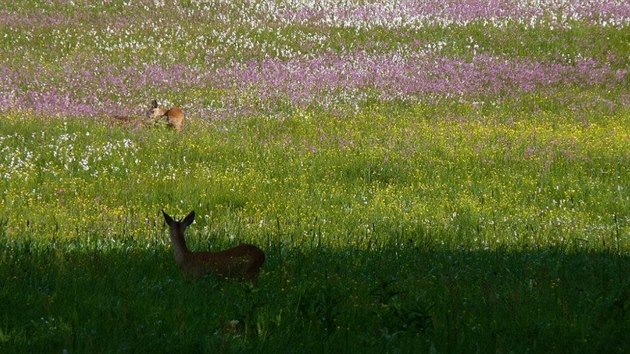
x=397 y=233
x=439 y=221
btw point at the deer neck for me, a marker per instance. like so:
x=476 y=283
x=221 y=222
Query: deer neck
x=179 y=246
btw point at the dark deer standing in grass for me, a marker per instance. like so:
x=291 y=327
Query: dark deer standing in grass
x=241 y=262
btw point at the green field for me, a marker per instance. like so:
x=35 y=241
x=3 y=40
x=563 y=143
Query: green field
x=481 y=207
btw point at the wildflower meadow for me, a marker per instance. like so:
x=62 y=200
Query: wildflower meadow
x=423 y=176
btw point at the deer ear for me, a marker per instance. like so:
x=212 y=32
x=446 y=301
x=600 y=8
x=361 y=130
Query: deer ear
x=154 y=104
x=189 y=219
x=169 y=220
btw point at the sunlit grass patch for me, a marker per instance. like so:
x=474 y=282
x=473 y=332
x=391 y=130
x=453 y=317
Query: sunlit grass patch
x=385 y=171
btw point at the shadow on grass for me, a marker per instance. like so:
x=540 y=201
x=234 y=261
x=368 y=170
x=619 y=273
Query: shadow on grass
x=131 y=298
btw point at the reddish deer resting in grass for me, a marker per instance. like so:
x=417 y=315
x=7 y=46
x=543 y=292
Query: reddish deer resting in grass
x=174 y=116
x=240 y=262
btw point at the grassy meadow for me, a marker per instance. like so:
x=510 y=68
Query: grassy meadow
x=439 y=177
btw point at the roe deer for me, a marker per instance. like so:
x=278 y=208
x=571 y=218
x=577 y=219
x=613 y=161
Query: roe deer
x=174 y=115
x=243 y=261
